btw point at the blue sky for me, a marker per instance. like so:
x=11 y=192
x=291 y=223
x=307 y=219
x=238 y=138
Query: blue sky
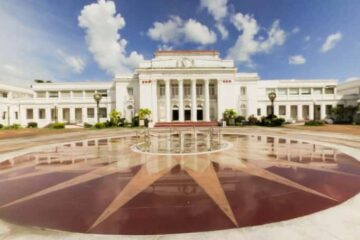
x=84 y=40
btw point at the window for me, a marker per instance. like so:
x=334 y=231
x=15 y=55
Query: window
x=243 y=91
x=29 y=113
x=78 y=94
x=130 y=91
x=90 y=113
x=103 y=92
x=103 y=112
x=4 y=115
x=259 y=111
x=269 y=90
x=329 y=90
x=16 y=115
x=89 y=94
x=42 y=114
x=174 y=90
x=212 y=90
x=328 y=110
x=305 y=91
x=294 y=91
x=268 y=110
x=3 y=94
x=317 y=91
x=162 y=90
x=199 y=90
x=53 y=114
x=53 y=94
x=282 y=91
x=282 y=110
x=187 y=90
x=41 y=94
x=65 y=94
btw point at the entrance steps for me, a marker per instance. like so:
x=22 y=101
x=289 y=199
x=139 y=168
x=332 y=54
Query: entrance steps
x=186 y=124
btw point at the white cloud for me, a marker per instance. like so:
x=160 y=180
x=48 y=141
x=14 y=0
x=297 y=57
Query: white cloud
x=102 y=25
x=248 y=43
x=219 y=10
x=331 y=41
x=176 y=31
x=75 y=63
x=352 y=79
x=297 y=60
x=295 y=30
x=216 y=8
x=307 y=38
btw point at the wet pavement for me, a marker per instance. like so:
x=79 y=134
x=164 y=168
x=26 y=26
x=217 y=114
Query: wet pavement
x=101 y=186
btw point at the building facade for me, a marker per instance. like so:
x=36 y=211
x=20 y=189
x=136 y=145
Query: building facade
x=176 y=86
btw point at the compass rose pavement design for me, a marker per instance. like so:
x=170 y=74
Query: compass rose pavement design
x=101 y=186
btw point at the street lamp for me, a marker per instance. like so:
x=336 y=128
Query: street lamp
x=97 y=98
x=272 y=96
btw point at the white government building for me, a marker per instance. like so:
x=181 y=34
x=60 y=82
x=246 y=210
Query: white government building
x=176 y=86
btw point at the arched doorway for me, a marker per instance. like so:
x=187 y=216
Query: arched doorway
x=199 y=112
x=187 y=113
x=175 y=113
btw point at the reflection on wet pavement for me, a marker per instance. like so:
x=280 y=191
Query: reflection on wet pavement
x=102 y=186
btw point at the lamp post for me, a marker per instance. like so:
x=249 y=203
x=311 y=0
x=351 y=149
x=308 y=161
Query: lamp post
x=97 y=98
x=272 y=97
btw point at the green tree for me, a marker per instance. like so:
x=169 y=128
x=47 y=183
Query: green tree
x=115 y=117
x=144 y=113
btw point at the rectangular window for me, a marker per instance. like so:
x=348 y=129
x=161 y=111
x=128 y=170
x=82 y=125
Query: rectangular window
x=29 y=114
x=243 y=91
x=187 y=90
x=42 y=114
x=329 y=91
x=53 y=94
x=4 y=115
x=41 y=94
x=162 y=90
x=282 y=91
x=53 y=114
x=294 y=91
x=16 y=115
x=212 y=90
x=103 y=112
x=90 y=112
x=259 y=111
x=199 y=90
x=3 y=94
x=65 y=94
x=268 y=109
x=174 y=90
x=78 y=94
x=269 y=90
x=103 y=92
x=282 y=110
x=130 y=91
x=305 y=91
x=89 y=94
x=317 y=91
x=328 y=110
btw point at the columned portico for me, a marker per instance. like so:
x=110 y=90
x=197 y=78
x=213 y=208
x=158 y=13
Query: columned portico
x=193 y=101
x=207 y=100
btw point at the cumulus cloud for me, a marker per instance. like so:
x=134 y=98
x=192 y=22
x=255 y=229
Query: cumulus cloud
x=248 y=43
x=297 y=60
x=219 y=10
x=177 y=31
x=307 y=38
x=75 y=63
x=331 y=42
x=102 y=25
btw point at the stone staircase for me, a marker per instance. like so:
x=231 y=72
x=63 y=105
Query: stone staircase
x=186 y=124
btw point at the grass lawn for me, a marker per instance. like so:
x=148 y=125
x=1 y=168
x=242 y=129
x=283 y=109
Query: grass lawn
x=336 y=128
x=30 y=132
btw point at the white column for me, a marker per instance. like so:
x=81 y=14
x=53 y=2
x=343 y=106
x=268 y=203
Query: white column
x=181 y=99
x=193 y=100
x=168 y=100
x=72 y=114
x=207 y=100
x=322 y=111
x=276 y=109
x=311 y=111
x=84 y=114
x=299 y=113
x=288 y=111
x=154 y=99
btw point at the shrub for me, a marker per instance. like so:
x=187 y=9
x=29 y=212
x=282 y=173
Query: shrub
x=252 y=120
x=144 y=113
x=58 y=125
x=1 y=126
x=115 y=119
x=314 y=123
x=135 y=121
x=99 y=125
x=88 y=125
x=239 y=119
x=32 y=125
x=14 y=126
x=271 y=121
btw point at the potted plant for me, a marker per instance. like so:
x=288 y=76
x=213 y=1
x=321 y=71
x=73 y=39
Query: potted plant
x=144 y=114
x=229 y=116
